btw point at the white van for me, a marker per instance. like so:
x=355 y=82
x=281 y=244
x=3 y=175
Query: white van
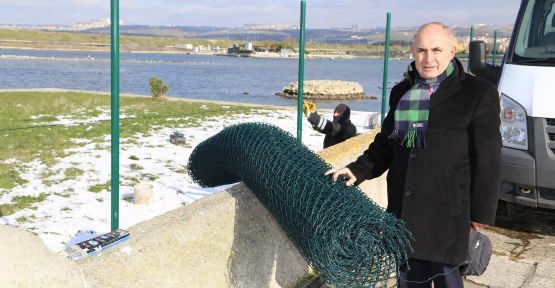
x=526 y=84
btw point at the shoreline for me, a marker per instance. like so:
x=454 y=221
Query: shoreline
x=169 y=98
x=311 y=56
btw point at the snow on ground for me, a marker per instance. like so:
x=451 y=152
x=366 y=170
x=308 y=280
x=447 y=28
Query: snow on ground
x=71 y=213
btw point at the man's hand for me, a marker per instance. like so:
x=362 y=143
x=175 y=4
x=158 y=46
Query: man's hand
x=334 y=173
x=477 y=226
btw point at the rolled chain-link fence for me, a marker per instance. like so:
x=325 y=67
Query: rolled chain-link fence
x=348 y=239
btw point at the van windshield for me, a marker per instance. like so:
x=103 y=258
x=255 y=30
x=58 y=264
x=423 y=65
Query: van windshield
x=535 y=41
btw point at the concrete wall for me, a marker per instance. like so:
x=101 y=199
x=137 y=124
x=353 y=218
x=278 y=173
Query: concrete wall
x=223 y=240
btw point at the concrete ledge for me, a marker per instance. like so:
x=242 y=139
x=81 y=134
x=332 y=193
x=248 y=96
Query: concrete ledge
x=223 y=240
x=26 y=262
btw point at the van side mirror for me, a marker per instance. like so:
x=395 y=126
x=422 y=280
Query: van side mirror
x=477 y=63
x=476 y=56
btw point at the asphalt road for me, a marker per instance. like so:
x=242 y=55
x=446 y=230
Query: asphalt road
x=523 y=249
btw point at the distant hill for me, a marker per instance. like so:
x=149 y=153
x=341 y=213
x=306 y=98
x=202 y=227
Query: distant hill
x=401 y=35
x=338 y=41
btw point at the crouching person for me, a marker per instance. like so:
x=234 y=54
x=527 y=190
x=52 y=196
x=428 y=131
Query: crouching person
x=338 y=130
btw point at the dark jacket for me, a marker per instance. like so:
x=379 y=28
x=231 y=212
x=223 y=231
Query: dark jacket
x=439 y=189
x=338 y=130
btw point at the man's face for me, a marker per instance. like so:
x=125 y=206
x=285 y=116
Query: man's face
x=433 y=49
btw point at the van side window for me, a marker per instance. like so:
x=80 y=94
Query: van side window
x=549 y=30
x=536 y=33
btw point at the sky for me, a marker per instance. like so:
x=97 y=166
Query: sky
x=235 y=13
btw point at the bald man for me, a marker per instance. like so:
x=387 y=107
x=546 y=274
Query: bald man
x=440 y=143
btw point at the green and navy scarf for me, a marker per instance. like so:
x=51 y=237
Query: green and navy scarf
x=411 y=115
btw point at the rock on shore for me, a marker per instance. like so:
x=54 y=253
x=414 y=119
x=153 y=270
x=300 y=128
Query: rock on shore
x=325 y=90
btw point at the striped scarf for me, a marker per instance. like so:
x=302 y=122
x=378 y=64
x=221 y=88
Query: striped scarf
x=411 y=115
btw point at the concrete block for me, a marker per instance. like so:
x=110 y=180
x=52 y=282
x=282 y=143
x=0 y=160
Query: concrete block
x=27 y=263
x=223 y=240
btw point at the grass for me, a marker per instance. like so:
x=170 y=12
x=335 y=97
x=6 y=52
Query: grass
x=100 y=187
x=134 y=166
x=24 y=219
x=25 y=137
x=63 y=195
x=128 y=198
x=72 y=173
x=150 y=177
x=9 y=177
x=19 y=203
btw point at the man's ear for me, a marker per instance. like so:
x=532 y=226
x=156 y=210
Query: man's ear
x=453 y=51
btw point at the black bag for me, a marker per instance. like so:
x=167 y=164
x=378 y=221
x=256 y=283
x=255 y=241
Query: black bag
x=479 y=253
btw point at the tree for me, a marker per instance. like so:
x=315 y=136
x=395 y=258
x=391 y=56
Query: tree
x=157 y=87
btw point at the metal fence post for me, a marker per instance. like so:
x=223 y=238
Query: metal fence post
x=300 y=85
x=385 y=66
x=114 y=215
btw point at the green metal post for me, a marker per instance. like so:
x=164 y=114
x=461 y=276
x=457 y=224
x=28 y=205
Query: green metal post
x=300 y=85
x=115 y=114
x=470 y=40
x=494 y=52
x=385 y=66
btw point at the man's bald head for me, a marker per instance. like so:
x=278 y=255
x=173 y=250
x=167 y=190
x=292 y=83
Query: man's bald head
x=436 y=25
x=433 y=48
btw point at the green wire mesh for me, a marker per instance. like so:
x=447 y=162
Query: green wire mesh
x=348 y=239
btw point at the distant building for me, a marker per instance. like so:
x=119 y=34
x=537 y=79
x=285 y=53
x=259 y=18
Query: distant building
x=286 y=52
x=101 y=23
x=184 y=46
x=235 y=49
x=248 y=47
x=240 y=50
x=270 y=27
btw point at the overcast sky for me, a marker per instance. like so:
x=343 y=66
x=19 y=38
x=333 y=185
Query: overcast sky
x=233 y=13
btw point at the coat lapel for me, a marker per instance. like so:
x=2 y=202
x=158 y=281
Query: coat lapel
x=449 y=87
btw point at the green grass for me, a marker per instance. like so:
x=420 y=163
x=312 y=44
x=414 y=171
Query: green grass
x=24 y=219
x=63 y=195
x=72 y=173
x=128 y=198
x=99 y=187
x=134 y=166
x=150 y=177
x=19 y=203
x=9 y=177
x=25 y=138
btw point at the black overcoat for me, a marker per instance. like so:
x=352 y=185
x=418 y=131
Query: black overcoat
x=439 y=189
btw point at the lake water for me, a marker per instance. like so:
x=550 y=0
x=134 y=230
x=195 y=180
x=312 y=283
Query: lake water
x=235 y=79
